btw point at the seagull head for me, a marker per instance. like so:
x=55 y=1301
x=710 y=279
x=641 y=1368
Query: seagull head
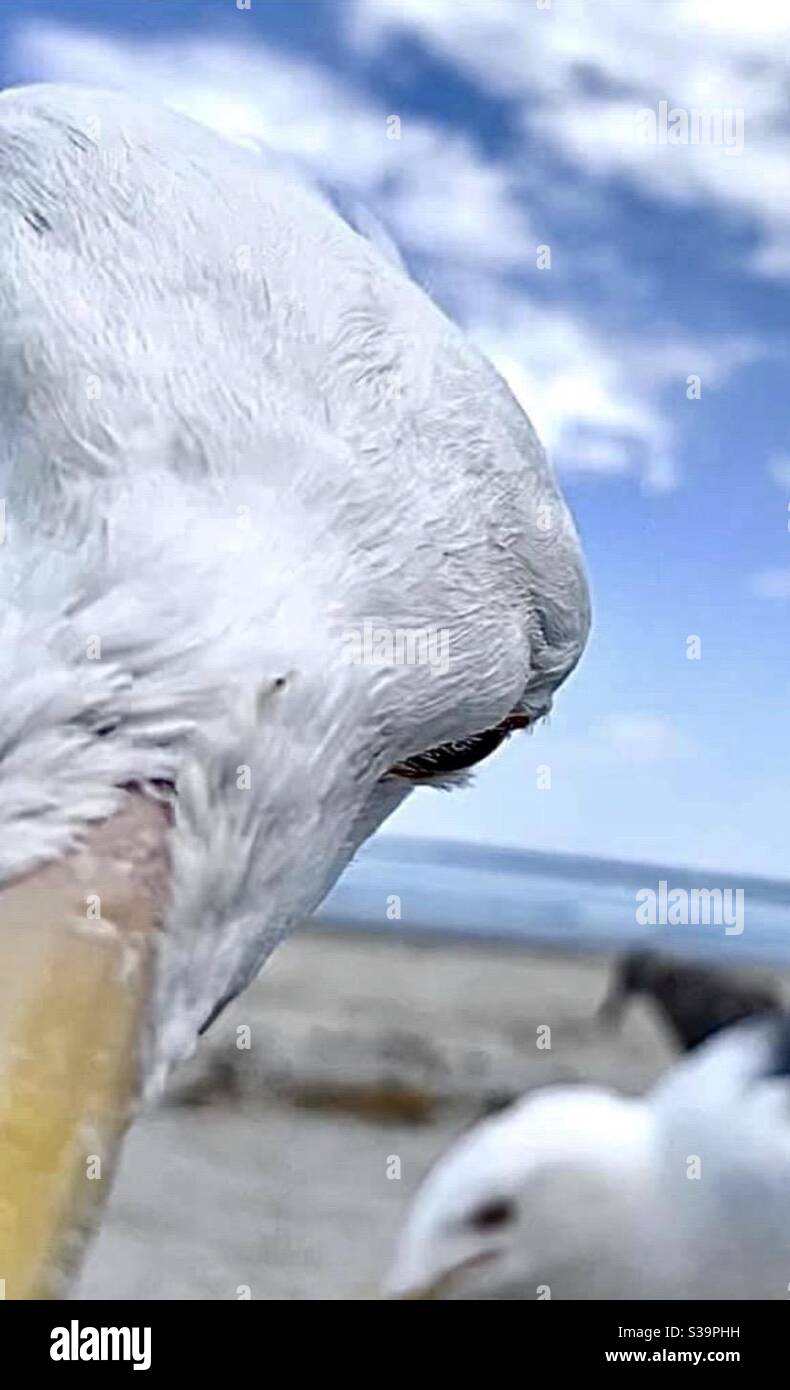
x=521 y=1207
x=578 y=1193
x=278 y=546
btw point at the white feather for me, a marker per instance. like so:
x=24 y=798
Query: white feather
x=229 y=431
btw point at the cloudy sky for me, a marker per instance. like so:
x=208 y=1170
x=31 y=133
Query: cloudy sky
x=632 y=283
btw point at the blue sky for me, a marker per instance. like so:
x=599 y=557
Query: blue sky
x=518 y=129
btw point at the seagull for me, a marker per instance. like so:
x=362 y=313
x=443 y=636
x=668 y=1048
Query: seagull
x=232 y=434
x=694 y=1000
x=576 y=1192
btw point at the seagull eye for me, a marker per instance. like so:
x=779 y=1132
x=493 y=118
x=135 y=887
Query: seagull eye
x=500 y=1211
x=458 y=756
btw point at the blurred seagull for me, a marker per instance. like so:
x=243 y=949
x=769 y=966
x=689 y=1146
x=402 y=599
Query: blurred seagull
x=231 y=434
x=578 y=1193
x=694 y=1001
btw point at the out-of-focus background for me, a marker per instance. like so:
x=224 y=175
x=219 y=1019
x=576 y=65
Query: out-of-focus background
x=597 y=191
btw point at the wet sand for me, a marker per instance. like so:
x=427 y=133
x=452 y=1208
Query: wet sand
x=264 y=1174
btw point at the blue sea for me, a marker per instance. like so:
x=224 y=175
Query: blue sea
x=427 y=888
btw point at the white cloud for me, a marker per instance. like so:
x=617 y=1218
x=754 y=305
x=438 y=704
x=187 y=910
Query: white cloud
x=640 y=738
x=581 y=72
x=616 y=743
x=772 y=583
x=580 y=390
x=779 y=470
x=597 y=399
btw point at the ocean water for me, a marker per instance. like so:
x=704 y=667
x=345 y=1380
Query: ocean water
x=426 y=887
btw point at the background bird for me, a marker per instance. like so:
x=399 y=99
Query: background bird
x=579 y=1193
x=694 y=1000
x=230 y=433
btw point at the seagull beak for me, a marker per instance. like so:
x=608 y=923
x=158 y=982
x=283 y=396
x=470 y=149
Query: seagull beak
x=406 y=1284
x=415 y=1293
x=76 y=957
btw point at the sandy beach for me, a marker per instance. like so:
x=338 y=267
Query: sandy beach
x=268 y=1170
